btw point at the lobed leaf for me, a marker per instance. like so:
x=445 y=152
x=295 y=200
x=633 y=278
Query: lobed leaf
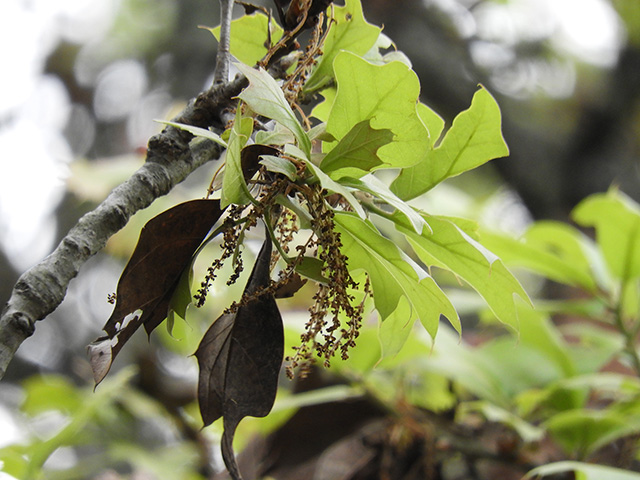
x=387 y=96
x=349 y=32
x=474 y=138
x=147 y=284
x=356 y=153
x=393 y=274
x=451 y=248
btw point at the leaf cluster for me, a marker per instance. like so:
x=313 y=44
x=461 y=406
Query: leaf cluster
x=330 y=190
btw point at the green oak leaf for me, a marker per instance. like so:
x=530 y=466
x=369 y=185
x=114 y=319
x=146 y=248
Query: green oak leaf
x=433 y=122
x=616 y=219
x=249 y=34
x=280 y=165
x=552 y=249
x=393 y=276
x=450 y=248
x=323 y=109
x=234 y=187
x=356 y=153
x=371 y=184
x=349 y=32
x=387 y=96
x=264 y=96
x=181 y=298
x=475 y=137
x=197 y=131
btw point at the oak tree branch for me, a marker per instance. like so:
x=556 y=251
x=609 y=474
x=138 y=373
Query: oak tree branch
x=171 y=157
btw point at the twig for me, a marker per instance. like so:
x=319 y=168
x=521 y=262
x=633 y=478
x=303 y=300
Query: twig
x=170 y=159
x=223 y=57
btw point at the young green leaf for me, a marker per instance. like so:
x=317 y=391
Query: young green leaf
x=454 y=250
x=474 y=138
x=197 y=131
x=234 y=185
x=393 y=274
x=433 y=122
x=280 y=165
x=335 y=187
x=350 y=32
x=249 y=35
x=387 y=96
x=181 y=298
x=265 y=97
x=357 y=152
x=371 y=184
x=616 y=219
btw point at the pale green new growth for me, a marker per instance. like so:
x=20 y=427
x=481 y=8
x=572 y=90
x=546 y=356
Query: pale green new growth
x=474 y=138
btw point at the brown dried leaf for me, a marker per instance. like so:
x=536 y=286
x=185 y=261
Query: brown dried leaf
x=165 y=248
x=240 y=358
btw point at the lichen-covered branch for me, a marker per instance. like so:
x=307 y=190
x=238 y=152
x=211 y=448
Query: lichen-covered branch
x=170 y=159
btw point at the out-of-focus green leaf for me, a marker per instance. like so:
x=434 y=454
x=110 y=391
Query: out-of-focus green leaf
x=50 y=392
x=551 y=249
x=528 y=432
x=386 y=95
x=582 y=431
x=249 y=35
x=393 y=274
x=350 y=32
x=582 y=471
x=265 y=97
x=616 y=219
x=474 y=138
x=91 y=406
x=234 y=186
x=454 y=250
x=356 y=153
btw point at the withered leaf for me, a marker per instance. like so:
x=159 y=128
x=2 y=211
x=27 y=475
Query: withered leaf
x=240 y=358
x=250 y=158
x=165 y=248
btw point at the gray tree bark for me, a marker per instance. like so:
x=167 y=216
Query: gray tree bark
x=171 y=157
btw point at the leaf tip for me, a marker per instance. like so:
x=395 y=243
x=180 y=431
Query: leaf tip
x=101 y=357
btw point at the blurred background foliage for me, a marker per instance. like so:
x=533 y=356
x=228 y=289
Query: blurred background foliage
x=83 y=81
